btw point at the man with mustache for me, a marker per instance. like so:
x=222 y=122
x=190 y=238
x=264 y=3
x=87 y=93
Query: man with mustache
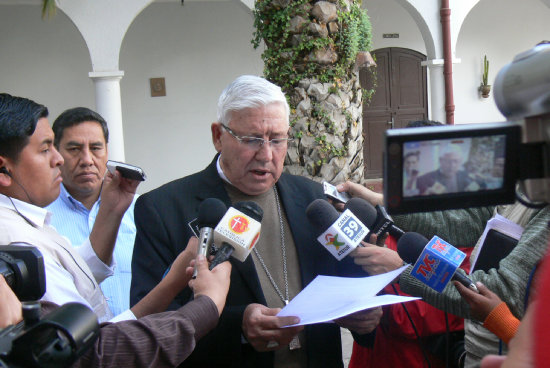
x=81 y=137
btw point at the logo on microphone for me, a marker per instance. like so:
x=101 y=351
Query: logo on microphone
x=333 y=240
x=238 y=224
x=437 y=263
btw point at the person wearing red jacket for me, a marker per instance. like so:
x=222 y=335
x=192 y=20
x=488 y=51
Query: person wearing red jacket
x=396 y=343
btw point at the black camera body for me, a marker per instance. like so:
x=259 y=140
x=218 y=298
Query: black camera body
x=494 y=157
x=492 y=144
x=56 y=340
x=23 y=268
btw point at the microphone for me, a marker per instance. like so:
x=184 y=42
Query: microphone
x=376 y=218
x=435 y=261
x=339 y=234
x=237 y=232
x=211 y=211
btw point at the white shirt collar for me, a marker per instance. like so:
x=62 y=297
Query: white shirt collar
x=220 y=171
x=37 y=215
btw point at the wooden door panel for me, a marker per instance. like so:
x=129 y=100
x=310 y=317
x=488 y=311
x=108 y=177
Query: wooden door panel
x=400 y=94
x=409 y=91
x=373 y=145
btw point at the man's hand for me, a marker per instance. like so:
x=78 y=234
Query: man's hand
x=480 y=304
x=263 y=329
x=376 y=260
x=117 y=193
x=361 y=322
x=214 y=284
x=10 y=306
x=178 y=275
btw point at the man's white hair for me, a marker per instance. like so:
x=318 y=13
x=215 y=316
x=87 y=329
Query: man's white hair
x=249 y=91
x=450 y=149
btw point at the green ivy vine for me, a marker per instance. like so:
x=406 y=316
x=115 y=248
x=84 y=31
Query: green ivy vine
x=286 y=57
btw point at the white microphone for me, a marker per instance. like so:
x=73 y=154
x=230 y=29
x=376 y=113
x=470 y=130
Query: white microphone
x=237 y=232
x=211 y=211
x=339 y=234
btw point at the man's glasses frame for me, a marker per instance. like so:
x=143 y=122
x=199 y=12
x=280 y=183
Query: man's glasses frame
x=256 y=143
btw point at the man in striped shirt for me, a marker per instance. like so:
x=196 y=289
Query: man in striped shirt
x=81 y=136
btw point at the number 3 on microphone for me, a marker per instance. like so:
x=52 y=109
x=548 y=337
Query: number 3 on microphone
x=351 y=229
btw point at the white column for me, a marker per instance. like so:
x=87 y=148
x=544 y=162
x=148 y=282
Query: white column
x=108 y=105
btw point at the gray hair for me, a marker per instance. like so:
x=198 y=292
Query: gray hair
x=249 y=91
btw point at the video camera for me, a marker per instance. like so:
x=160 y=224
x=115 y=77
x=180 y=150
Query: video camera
x=56 y=340
x=472 y=165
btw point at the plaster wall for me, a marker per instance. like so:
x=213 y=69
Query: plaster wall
x=500 y=33
x=44 y=60
x=387 y=16
x=198 y=48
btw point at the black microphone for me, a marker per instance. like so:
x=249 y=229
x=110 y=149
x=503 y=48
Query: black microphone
x=340 y=234
x=237 y=232
x=211 y=211
x=410 y=247
x=321 y=214
x=375 y=218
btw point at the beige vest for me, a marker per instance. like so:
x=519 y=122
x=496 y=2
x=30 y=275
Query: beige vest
x=14 y=228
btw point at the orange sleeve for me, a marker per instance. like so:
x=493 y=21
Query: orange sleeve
x=502 y=323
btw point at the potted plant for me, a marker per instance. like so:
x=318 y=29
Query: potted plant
x=485 y=88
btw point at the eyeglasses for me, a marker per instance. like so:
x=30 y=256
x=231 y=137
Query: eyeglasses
x=255 y=143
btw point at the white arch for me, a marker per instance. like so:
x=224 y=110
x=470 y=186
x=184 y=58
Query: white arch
x=103 y=25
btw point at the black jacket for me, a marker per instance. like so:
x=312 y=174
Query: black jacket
x=162 y=217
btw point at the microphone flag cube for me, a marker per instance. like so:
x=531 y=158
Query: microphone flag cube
x=437 y=263
x=344 y=235
x=239 y=230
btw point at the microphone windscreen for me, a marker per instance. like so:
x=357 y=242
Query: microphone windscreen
x=363 y=210
x=321 y=214
x=211 y=211
x=251 y=209
x=410 y=246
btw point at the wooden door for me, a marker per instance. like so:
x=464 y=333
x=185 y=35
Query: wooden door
x=400 y=96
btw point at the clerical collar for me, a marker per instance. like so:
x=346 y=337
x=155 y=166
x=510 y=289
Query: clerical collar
x=220 y=171
x=38 y=216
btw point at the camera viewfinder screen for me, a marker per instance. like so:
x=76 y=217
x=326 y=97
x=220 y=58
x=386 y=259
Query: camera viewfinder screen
x=458 y=165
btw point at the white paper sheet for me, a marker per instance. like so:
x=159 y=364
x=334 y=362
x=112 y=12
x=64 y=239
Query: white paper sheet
x=327 y=297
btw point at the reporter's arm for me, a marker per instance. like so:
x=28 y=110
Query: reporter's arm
x=158 y=299
x=358 y=190
x=117 y=194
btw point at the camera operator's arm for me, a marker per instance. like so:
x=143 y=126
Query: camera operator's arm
x=158 y=299
x=164 y=339
x=10 y=306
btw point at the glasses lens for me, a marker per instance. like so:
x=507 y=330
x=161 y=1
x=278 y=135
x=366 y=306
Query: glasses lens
x=252 y=142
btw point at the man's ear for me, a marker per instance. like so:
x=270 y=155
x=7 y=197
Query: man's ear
x=5 y=175
x=216 y=129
